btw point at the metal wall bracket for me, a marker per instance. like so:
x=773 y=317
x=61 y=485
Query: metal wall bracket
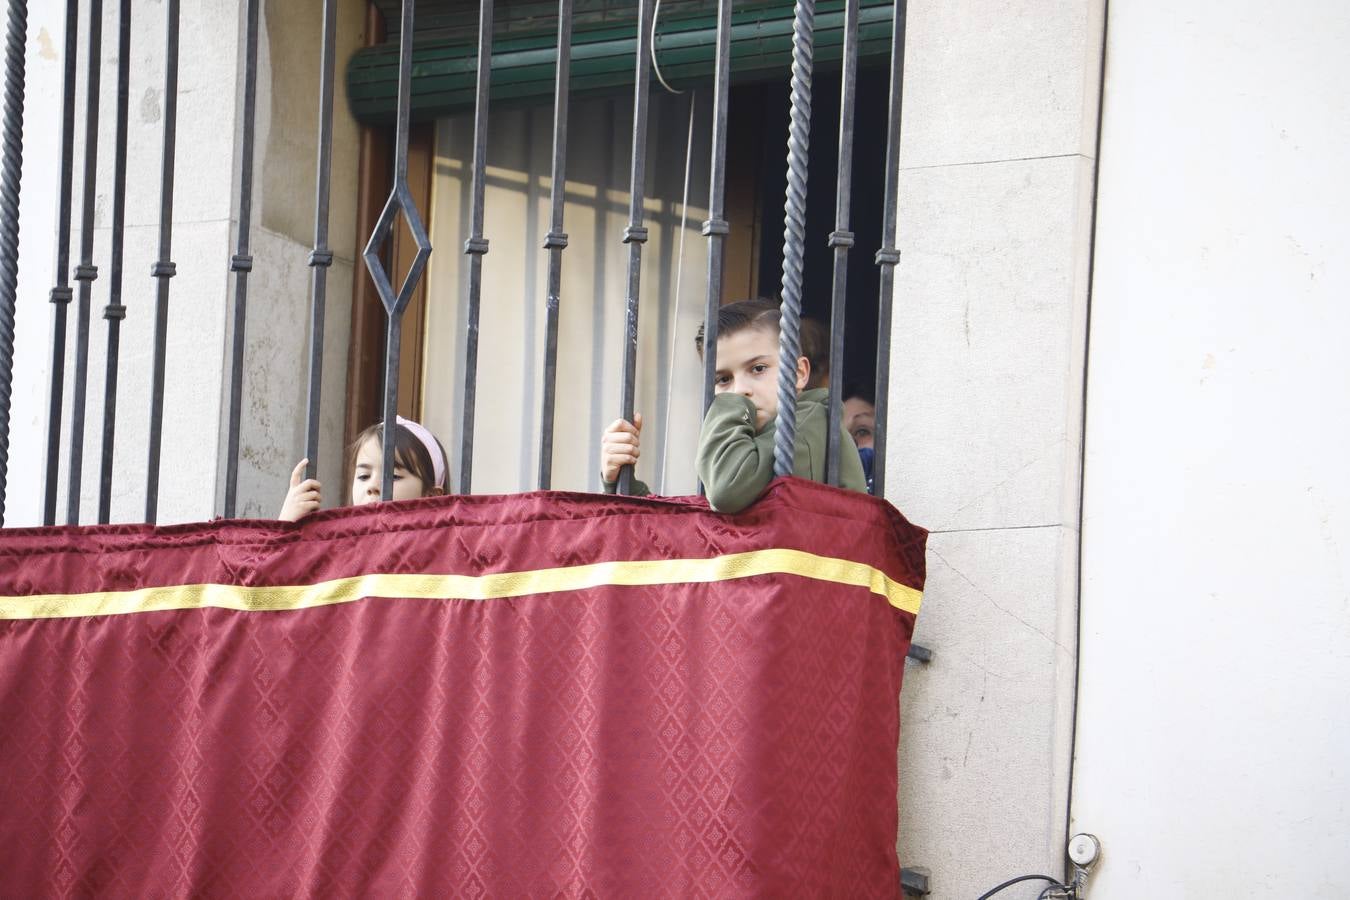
x=914 y=882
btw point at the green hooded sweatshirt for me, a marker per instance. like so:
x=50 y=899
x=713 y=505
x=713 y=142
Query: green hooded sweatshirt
x=735 y=463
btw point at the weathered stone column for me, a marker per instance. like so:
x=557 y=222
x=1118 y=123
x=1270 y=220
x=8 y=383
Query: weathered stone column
x=205 y=216
x=995 y=204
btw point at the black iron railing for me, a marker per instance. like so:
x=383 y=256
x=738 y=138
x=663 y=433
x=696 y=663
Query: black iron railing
x=841 y=239
x=61 y=293
x=10 y=179
x=555 y=242
x=164 y=268
x=241 y=263
x=716 y=227
x=85 y=271
x=320 y=257
x=635 y=235
x=888 y=255
x=794 y=237
x=115 y=311
x=476 y=245
x=400 y=202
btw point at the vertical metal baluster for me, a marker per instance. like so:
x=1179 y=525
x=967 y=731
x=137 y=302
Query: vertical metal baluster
x=794 y=237
x=241 y=263
x=85 y=271
x=400 y=200
x=163 y=269
x=9 y=218
x=476 y=245
x=393 y=349
x=841 y=239
x=115 y=312
x=888 y=255
x=321 y=257
x=61 y=294
x=555 y=242
x=635 y=235
x=716 y=227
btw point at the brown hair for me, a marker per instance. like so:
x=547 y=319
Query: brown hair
x=759 y=313
x=815 y=347
x=765 y=315
x=409 y=453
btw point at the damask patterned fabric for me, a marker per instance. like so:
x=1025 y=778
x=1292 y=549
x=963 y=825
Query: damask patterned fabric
x=530 y=696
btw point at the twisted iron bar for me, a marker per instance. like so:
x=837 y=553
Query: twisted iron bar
x=794 y=236
x=9 y=219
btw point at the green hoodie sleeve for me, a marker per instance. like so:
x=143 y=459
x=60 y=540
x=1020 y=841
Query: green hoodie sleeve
x=813 y=424
x=734 y=463
x=851 y=474
x=640 y=488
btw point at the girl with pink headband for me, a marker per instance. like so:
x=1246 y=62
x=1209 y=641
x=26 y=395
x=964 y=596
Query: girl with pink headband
x=420 y=470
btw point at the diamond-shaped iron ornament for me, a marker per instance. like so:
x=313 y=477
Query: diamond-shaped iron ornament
x=400 y=201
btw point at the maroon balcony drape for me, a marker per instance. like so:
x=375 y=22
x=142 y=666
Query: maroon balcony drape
x=538 y=695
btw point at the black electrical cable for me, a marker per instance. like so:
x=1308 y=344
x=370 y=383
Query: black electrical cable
x=1082 y=436
x=1020 y=878
x=1064 y=890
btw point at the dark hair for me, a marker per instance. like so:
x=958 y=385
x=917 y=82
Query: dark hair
x=759 y=313
x=409 y=452
x=816 y=348
x=860 y=390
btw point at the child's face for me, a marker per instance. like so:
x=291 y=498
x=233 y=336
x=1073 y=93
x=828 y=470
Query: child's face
x=367 y=479
x=859 y=419
x=747 y=363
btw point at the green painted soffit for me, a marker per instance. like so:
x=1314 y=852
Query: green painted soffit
x=604 y=42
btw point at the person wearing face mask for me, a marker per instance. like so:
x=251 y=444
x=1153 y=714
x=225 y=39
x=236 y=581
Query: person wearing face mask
x=859 y=420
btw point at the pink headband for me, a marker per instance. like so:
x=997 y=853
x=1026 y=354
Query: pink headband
x=433 y=448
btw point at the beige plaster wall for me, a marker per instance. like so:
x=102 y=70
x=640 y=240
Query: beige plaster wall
x=272 y=435
x=202 y=215
x=994 y=214
x=205 y=215
x=1212 y=736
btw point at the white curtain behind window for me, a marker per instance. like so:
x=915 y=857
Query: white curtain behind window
x=590 y=341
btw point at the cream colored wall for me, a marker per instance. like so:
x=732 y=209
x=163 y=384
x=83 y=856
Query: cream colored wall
x=594 y=279
x=210 y=40
x=205 y=218
x=1213 y=738
x=272 y=437
x=994 y=217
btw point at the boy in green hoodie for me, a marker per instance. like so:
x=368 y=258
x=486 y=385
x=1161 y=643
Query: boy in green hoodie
x=735 y=446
